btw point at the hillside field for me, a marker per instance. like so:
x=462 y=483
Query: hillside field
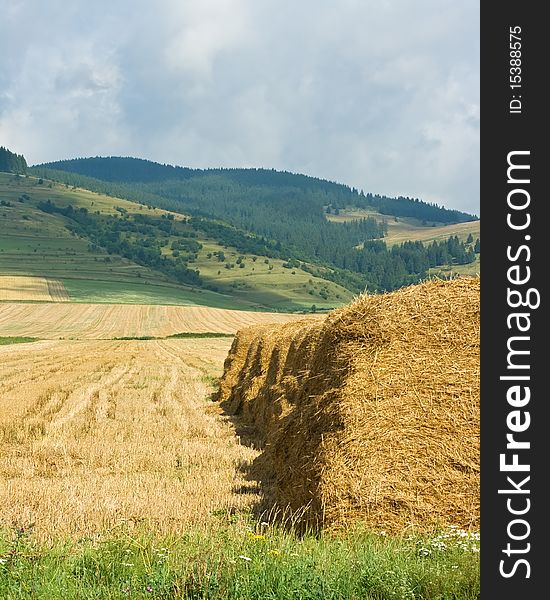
x=402 y=229
x=32 y=289
x=34 y=243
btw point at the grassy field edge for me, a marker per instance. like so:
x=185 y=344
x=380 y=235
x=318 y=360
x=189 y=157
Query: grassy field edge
x=242 y=560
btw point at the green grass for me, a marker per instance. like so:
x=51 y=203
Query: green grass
x=204 y=334
x=120 y=292
x=179 y=336
x=268 y=283
x=5 y=341
x=235 y=562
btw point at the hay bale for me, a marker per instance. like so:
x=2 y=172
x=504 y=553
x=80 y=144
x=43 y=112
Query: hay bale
x=262 y=365
x=371 y=414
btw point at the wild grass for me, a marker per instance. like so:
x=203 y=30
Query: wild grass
x=241 y=561
x=6 y=340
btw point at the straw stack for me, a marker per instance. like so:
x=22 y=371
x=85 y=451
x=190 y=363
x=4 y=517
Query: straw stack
x=370 y=414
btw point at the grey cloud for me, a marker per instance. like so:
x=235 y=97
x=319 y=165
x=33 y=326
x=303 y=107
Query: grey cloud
x=383 y=96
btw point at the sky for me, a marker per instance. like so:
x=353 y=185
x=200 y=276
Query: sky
x=379 y=95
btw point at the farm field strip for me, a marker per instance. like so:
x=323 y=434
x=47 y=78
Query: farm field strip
x=405 y=229
x=46 y=366
x=107 y=321
x=32 y=288
x=116 y=434
x=398 y=235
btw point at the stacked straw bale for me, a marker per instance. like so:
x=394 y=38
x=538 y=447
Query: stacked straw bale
x=370 y=414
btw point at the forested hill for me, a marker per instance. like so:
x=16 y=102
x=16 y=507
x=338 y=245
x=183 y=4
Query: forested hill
x=273 y=214
x=138 y=170
x=151 y=176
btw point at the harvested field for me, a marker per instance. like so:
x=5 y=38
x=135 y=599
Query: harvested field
x=108 y=321
x=99 y=436
x=371 y=414
x=36 y=289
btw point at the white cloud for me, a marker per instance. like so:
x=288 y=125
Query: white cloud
x=201 y=31
x=383 y=96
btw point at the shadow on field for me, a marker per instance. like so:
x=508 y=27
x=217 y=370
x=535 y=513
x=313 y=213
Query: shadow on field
x=258 y=474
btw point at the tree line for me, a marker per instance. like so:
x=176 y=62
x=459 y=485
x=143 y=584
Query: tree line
x=139 y=171
x=138 y=238
x=11 y=162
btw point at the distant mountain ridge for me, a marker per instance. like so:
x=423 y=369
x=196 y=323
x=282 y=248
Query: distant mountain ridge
x=273 y=214
x=130 y=169
x=118 y=169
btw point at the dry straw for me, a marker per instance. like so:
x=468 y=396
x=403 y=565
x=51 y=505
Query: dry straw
x=371 y=414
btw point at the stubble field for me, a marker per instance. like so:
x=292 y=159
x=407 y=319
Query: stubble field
x=34 y=289
x=120 y=478
x=108 y=321
x=99 y=435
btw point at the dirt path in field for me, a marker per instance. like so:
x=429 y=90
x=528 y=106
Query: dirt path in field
x=99 y=435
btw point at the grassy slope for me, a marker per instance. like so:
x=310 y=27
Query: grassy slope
x=36 y=243
x=401 y=229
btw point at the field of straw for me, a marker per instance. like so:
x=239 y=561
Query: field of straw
x=371 y=414
x=32 y=289
x=98 y=436
x=107 y=321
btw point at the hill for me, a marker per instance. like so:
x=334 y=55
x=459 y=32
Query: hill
x=283 y=216
x=409 y=229
x=43 y=238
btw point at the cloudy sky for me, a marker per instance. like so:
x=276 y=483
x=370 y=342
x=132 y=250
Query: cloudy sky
x=381 y=95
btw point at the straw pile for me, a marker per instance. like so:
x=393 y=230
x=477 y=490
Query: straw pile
x=371 y=414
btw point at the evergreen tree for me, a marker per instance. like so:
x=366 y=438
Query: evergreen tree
x=12 y=163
